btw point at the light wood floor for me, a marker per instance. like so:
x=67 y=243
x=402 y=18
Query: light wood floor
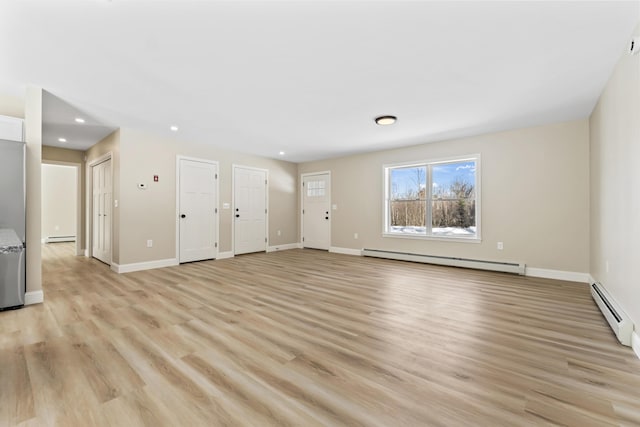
x=306 y=338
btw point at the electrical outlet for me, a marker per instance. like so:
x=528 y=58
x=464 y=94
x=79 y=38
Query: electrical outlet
x=500 y=246
x=355 y=236
x=149 y=243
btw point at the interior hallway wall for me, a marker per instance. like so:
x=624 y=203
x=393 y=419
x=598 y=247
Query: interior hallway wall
x=59 y=201
x=615 y=185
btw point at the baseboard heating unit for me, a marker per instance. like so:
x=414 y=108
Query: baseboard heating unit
x=506 y=267
x=58 y=239
x=618 y=320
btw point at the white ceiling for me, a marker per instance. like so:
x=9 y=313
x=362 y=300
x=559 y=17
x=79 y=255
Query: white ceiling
x=58 y=121
x=308 y=77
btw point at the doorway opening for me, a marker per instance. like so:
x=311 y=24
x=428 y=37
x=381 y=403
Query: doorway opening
x=62 y=203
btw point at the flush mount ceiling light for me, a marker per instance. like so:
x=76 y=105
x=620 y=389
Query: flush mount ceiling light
x=386 y=120
x=62 y=139
x=79 y=120
x=174 y=128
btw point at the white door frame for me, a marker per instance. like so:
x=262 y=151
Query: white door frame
x=89 y=206
x=302 y=177
x=217 y=224
x=233 y=204
x=78 y=167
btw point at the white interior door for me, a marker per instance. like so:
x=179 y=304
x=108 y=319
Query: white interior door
x=101 y=212
x=316 y=210
x=250 y=210
x=197 y=209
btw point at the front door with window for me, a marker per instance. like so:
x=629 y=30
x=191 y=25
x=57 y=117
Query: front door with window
x=316 y=210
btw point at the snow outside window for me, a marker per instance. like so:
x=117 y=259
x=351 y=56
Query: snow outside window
x=433 y=199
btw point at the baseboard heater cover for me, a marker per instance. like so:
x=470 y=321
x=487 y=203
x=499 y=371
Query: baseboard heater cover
x=505 y=267
x=59 y=239
x=618 y=320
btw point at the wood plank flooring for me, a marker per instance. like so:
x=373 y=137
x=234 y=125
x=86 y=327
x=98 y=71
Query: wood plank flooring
x=309 y=338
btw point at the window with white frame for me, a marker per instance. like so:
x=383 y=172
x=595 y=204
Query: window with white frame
x=436 y=199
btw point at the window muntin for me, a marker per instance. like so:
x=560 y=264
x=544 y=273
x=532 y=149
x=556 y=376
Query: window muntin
x=433 y=199
x=316 y=188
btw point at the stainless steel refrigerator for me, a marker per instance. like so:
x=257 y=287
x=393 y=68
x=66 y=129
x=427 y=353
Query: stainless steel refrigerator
x=12 y=224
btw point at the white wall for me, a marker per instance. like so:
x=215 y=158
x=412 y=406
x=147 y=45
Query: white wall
x=615 y=185
x=59 y=200
x=150 y=214
x=33 y=137
x=535 y=197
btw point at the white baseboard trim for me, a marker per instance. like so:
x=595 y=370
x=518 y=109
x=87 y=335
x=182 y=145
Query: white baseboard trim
x=635 y=343
x=225 y=255
x=86 y=253
x=283 y=247
x=345 y=251
x=81 y=252
x=570 y=276
x=139 y=266
x=33 y=297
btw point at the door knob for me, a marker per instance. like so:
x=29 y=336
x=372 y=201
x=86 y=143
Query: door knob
x=183 y=216
x=237 y=216
x=326 y=217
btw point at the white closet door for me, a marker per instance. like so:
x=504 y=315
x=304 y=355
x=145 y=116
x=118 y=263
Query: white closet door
x=197 y=210
x=101 y=211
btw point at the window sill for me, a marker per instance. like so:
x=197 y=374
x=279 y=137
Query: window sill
x=456 y=239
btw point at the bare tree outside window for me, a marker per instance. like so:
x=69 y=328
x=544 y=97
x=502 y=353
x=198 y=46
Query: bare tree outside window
x=451 y=204
x=408 y=197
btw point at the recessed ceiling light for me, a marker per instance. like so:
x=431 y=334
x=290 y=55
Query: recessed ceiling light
x=79 y=120
x=282 y=153
x=174 y=128
x=62 y=139
x=386 y=120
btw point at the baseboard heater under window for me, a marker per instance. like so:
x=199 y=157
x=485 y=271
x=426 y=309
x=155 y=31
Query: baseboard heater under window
x=506 y=267
x=618 y=320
